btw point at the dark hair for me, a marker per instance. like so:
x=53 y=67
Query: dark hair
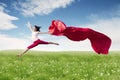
x=37 y=27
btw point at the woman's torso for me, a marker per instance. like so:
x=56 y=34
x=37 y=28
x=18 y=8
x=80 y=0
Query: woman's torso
x=35 y=36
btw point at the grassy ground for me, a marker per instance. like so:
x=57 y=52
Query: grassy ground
x=37 y=65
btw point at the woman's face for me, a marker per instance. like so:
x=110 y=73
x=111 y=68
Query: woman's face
x=34 y=29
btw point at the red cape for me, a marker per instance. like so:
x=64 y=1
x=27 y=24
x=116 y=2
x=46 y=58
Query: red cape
x=99 y=42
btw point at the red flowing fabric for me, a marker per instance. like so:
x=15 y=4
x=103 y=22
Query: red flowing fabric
x=57 y=27
x=99 y=42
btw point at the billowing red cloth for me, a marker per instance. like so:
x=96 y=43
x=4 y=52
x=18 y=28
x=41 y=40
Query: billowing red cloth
x=99 y=42
x=57 y=27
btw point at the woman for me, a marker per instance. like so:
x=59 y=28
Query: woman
x=36 y=41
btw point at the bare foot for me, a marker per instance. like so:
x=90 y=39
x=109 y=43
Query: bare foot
x=56 y=44
x=19 y=55
x=99 y=53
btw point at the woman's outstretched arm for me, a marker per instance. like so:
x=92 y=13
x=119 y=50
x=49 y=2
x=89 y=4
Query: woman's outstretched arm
x=44 y=32
x=29 y=26
x=48 y=32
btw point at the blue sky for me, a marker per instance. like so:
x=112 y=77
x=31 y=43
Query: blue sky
x=100 y=15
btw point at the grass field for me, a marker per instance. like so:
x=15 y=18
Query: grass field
x=37 y=65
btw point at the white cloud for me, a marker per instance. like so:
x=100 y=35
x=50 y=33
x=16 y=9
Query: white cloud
x=8 y=42
x=40 y=7
x=69 y=45
x=6 y=20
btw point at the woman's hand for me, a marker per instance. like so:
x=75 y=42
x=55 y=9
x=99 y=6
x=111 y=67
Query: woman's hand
x=28 y=24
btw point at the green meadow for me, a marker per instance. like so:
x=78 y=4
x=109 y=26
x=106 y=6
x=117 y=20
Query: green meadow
x=81 y=65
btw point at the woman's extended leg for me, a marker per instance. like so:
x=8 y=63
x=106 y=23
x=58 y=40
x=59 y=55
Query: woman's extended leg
x=29 y=47
x=19 y=55
x=53 y=43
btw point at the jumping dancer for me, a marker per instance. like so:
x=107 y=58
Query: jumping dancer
x=36 y=41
